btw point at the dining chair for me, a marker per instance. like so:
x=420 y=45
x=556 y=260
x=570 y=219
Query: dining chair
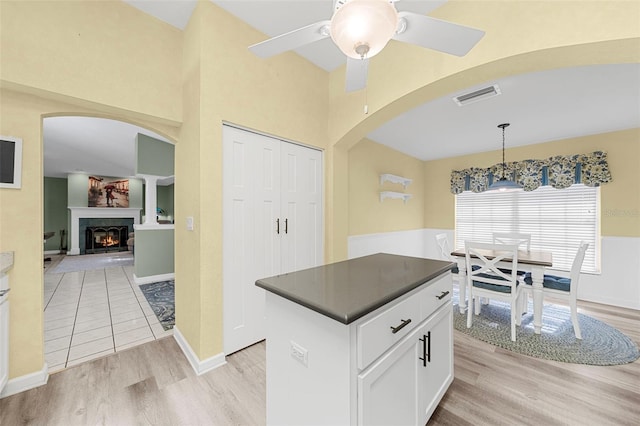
x=445 y=250
x=517 y=238
x=489 y=281
x=562 y=287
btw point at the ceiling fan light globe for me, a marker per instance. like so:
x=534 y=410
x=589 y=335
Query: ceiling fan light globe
x=363 y=22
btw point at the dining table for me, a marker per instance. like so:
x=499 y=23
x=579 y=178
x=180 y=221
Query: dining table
x=534 y=261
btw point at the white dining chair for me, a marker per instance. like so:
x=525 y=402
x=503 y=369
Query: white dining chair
x=562 y=287
x=517 y=238
x=489 y=281
x=445 y=254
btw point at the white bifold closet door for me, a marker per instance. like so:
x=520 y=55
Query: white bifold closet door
x=272 y=224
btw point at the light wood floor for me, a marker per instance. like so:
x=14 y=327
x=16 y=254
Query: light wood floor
x=153 y=384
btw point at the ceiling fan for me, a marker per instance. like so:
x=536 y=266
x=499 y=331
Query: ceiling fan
x=362 y=28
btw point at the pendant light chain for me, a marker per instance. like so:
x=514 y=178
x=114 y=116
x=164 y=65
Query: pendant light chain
x=504 y=165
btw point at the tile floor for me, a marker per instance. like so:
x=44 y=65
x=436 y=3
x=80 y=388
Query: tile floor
x=93 y=313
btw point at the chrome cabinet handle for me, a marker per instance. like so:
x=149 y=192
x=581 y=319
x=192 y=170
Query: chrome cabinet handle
x=402 y=325
x=3 y=292
x=442 y=295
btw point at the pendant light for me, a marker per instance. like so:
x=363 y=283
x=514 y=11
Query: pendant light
x=504 y=184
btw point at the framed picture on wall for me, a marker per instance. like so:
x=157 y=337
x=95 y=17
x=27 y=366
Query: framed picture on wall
x=10 y=162
x=108 y=192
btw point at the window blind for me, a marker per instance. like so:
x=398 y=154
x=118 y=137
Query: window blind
x=556 y=219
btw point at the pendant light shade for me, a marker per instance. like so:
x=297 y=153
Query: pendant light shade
x=504 y=184
x=362 y=28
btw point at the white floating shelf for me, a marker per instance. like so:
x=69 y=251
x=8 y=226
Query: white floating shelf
x=390 y=194
x=395 y=179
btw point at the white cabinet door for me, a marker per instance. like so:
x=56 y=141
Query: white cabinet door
x=4 y=343
x=388 y=390
x=251 y=205
x=436 y=372
x=301 y=212
x=405 y=386
x=272 y=223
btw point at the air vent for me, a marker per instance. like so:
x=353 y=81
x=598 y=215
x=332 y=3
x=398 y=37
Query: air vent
x=478 y=95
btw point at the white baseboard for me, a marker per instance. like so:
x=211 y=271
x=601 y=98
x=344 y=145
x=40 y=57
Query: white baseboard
x=200 y=367
x=52 y=252
x=26 y=382
x=153 y=278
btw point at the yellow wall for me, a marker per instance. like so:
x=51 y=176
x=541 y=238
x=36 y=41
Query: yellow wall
x=284 y=96
x=84 y=51
x=367 y=215
x=620 y=199
x=521 y=37
x=21 y=213
x=70 y=58
x=109 y=59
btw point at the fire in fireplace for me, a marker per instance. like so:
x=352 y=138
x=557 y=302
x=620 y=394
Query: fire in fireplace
x=102 y=239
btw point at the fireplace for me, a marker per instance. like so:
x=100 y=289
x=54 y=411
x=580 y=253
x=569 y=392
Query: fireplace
x=103 y=239
x=82 y=217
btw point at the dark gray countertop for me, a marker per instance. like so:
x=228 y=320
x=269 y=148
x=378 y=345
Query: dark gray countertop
x=348 y=290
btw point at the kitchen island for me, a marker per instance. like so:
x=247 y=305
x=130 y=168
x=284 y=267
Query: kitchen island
x=365 y=341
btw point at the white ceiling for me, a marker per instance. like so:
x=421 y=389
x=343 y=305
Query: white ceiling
x=541 y=106
x=95 y=146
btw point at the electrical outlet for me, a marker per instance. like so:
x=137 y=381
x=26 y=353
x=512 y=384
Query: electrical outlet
x=300 y=354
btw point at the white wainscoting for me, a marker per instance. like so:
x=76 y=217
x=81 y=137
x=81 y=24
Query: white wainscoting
x=618 y=283
x=619 y=280
x=406 y=243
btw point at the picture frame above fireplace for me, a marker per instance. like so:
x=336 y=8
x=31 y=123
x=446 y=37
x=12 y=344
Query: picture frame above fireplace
x=108 y=192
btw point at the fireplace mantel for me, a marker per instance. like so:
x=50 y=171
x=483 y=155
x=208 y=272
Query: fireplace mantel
x=78 y=213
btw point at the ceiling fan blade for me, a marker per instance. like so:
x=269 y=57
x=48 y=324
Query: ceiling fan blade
x=438 y=35
x=291 y=40
x=357 y=70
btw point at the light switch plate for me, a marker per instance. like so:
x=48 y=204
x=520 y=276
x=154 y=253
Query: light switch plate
x=190 y=223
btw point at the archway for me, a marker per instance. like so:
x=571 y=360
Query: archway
x=94 y=307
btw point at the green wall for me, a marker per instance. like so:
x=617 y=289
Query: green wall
x=78 y=190
x=165 y=200
x=153 y=252
x=153 y=156
x=55 y=211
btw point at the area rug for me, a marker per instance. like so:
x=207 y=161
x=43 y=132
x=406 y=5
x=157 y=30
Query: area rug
x=161 y=298
x=601 y=344
x=89 y=262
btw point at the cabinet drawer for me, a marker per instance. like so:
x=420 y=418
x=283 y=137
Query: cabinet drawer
x=435 y=295
x=376 y=335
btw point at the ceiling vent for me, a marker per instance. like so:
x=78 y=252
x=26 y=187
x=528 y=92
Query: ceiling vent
x=478 y=95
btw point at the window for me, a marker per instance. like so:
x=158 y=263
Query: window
x=556 y=219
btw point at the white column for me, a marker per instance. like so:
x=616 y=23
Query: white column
x=150 y=200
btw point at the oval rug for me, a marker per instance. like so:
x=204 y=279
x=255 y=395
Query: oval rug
x=601 y=344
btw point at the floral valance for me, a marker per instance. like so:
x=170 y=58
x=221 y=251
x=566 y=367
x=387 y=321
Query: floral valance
x=560 y=172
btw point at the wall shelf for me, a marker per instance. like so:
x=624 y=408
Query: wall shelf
x=395 y=179
x=390 y=194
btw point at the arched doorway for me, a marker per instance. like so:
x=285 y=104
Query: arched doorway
x=94 y=302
